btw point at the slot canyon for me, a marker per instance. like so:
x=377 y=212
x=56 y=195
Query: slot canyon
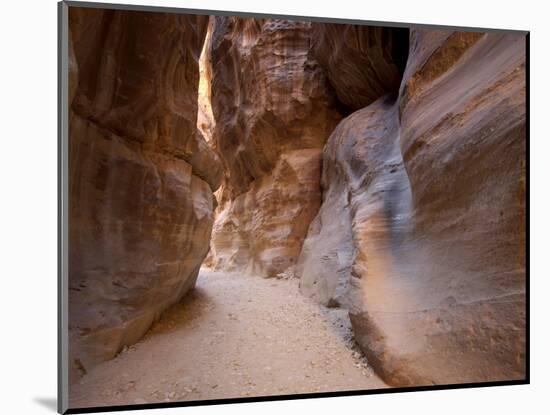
x=270 y=207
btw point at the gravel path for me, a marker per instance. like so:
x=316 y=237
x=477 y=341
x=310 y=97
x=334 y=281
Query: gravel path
x=233 y=336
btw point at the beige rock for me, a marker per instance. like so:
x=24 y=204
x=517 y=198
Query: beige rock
x=436 y=204
x=274 y=111
x=324 y=264
x=414 y=209
x=261 y=231
x=362 y=62
x=205 y=119
x=140 y=176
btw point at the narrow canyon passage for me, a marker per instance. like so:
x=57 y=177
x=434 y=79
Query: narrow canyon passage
x=233 y=336
x=350 y=192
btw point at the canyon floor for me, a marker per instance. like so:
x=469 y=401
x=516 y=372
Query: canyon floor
x=233 y=336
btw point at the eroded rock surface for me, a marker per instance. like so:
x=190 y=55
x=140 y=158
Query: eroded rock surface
x=430 y=255
x=274 y=111
x=414 y=209
x=141 y=178
x=205 y=118
x=362 y=62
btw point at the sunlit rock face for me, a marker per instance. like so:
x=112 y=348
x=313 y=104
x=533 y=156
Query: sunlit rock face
x=205 y=118
x=141 y=179
x=362 y=62
x=428 y=252
x=273 y=110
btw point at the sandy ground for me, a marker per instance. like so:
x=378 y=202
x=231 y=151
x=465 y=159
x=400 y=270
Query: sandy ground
x=233 y=336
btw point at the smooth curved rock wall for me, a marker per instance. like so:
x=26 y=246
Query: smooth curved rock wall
x=141 y=179
x=430 y=192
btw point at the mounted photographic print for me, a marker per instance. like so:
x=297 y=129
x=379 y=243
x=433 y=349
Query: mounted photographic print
x=260 y=207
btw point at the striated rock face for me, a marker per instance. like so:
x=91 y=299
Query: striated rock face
x=205 y=118
x=141 y=177
x=362 y=169
x=429 y=252
x=362 y=62
x=411 y=215
x=273 y=110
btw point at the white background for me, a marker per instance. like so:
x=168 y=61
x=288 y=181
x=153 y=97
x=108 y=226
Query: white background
x=28 y=186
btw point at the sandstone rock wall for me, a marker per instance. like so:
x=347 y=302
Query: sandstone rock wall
x=362 y=175
x=205 y=118
x=429 y=252
x=362 y=62
x=141 y=178
x=273 y=110
x=411 y=215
